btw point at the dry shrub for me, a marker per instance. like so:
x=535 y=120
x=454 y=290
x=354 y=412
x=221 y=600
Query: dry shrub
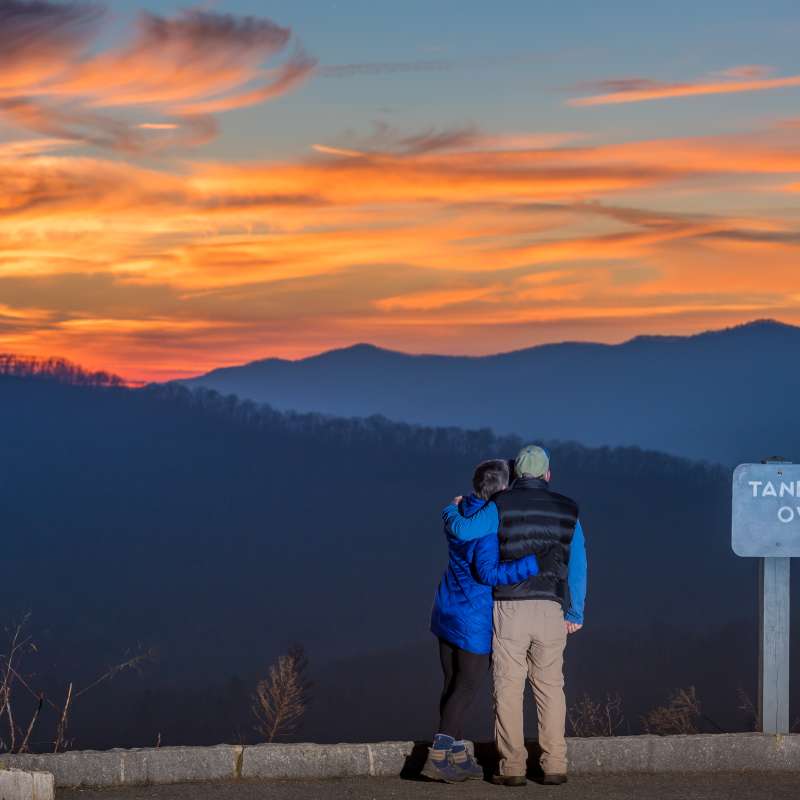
x=281 y=699
x=680 y=716
x=17 y=737
x=589 y=718
x=748 y=708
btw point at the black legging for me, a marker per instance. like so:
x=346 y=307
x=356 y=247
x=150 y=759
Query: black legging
x=463 y=674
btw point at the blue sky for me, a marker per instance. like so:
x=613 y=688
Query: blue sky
x=510 y=65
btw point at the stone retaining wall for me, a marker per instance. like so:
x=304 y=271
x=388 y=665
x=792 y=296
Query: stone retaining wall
x=705 y=753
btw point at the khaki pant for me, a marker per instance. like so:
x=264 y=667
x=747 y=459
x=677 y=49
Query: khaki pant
x=529 y=641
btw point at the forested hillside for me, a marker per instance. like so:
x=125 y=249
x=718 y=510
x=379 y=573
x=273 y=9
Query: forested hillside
x=723 y=396
x=216 y=532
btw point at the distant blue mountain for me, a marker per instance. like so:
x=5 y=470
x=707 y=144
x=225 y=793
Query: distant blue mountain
x=725 y=396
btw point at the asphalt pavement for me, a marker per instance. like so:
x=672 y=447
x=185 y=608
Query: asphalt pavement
x=717 y=786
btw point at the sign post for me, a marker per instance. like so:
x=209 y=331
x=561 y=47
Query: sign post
x=766 y=525
x=773 y=637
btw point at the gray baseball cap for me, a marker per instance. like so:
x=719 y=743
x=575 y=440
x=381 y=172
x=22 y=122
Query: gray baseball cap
x=532 y=460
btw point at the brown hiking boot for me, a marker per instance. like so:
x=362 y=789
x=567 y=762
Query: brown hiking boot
x=463 y=761
x=509 y=780
x=554 y=780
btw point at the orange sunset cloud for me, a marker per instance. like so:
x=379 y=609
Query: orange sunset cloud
x=640 y=90
x=122 y=265
x=185 y=69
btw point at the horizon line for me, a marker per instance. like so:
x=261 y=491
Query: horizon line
x=137 y=383
x=556 y=343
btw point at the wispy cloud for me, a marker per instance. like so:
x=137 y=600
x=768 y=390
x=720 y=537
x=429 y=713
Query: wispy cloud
x=747 y=78
x=373 y=68
x=433 y=300
x=174 y=73
x=37 y=40
x=384 y=68
x=70 y=122
x=387 y=140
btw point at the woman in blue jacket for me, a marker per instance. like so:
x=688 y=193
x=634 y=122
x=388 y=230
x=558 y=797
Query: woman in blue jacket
x=462 y=621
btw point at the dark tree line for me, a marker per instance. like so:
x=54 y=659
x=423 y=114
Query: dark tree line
x=378 y=430
x=57 y=369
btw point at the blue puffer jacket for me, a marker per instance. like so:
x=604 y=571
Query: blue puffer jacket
x=462 y=609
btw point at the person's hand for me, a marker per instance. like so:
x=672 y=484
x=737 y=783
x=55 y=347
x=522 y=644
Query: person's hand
x=457 y=499
x=573 y=627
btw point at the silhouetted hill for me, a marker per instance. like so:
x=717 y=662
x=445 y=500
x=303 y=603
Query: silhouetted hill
x=216 y=532
x=725 y=396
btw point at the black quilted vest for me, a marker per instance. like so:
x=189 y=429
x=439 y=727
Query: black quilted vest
x=535 y=520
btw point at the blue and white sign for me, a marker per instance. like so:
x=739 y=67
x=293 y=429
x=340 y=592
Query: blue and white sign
x=766 y=510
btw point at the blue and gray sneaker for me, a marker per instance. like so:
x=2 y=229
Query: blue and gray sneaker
x=463 y=761
x=438 y=766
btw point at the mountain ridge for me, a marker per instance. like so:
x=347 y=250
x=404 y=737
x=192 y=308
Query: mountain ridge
x=695 y=396
x=370 y=348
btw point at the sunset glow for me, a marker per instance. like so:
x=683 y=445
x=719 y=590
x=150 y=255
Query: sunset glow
x=157 y=221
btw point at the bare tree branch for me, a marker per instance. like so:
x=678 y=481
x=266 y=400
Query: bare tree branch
x=61 y=730
x=23 y=748
x=134 y=663
x=281 y=699
x=12 y=728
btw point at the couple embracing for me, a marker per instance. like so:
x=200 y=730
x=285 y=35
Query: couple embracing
x=514 y=589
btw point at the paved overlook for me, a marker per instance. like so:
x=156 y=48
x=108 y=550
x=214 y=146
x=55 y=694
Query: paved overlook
x=719 y=786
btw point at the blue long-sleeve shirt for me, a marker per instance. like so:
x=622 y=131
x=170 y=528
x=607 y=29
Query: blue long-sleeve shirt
x=488 y=569
x=488 y=520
